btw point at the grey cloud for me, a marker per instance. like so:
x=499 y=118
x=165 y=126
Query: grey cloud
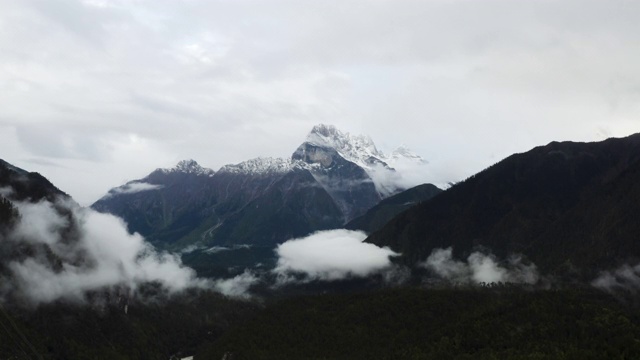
x=62 y=143
x=84 y=21
x=463 y=83
x=44 y=162
x=165 y=106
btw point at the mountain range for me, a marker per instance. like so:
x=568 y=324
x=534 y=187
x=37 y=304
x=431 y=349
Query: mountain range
x=330 y=179
x=570 y=208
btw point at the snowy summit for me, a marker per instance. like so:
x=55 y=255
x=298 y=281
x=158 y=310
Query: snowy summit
x=189 y=167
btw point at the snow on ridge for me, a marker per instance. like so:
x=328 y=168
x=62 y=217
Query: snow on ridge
x=390 y=173
x=189 y=167
x=359 y=149
x=260 y=165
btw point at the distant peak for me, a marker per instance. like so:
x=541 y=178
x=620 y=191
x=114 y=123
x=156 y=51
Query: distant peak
x=403 y=152
x=189 y=166
x=325 y=130
x=330 y=136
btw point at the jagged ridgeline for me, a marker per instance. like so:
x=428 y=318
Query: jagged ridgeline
x=571 y=208
x=331 y=178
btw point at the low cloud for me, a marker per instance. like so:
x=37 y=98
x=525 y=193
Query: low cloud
x=217 y=249
x=404 y=173
x=6 y=191
x=68 y=251
x=133 y=187
x=331 y=255
x=626 y=277
x=237 y=286
x=480 y=268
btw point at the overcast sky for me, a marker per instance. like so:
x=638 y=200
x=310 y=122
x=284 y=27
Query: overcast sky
x=95 y=92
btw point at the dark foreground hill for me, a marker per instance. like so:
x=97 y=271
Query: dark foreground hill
x=567 y=206
x=485 y=323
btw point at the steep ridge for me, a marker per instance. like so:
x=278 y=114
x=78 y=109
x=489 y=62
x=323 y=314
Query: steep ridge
x=20 y=186
x=329 y=180
x=567 y=206
x=164 y=205
x=376 y=217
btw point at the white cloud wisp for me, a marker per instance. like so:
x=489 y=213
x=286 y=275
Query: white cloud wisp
x=133 y=187
x=332 y=255
x=77 y=250
x=480 y=268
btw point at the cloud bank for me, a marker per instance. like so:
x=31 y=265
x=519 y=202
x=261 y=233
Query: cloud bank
x=66 y=251
x=480 y=268
x=331 y=255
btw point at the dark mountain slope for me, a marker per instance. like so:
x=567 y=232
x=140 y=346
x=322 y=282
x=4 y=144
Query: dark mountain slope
x=293 y=206
x=376 y=217
x=602 y=231
x=527 y=203
x=22 y=185
x=179 y=200
x=348 y=184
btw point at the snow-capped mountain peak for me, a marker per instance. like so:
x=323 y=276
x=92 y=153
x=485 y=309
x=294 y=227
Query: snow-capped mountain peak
x=404 y=153
x=389 y=173
x=189 y=166
x=358 y=149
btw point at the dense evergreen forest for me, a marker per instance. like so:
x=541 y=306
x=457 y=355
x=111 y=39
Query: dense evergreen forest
x=119 y=328
x=497 y=322
x=490 y=322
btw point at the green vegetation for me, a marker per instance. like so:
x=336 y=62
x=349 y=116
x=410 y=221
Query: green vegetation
x=487 y=323
x=231 y=262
